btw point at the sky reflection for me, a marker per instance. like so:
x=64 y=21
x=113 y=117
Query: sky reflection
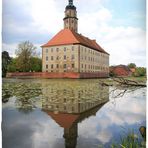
x=83 y=123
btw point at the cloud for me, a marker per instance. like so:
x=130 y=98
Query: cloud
x=104 y=136
x=110 y=118
x=39 y=20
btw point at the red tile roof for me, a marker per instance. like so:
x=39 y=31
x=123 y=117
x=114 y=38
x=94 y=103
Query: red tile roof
x=67 y=36
x=63 y=119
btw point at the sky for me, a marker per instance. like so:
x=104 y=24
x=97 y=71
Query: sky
x=117 y=25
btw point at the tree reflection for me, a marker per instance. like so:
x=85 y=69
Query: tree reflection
x=26 y=94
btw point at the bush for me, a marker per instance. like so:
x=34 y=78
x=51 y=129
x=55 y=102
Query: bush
x=140 y=71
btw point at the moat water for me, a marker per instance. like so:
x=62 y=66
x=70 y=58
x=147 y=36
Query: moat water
x=65 y=113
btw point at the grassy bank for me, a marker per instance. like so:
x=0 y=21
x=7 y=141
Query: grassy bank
x=140 y=80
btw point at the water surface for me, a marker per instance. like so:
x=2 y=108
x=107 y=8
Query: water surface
x=67 y=113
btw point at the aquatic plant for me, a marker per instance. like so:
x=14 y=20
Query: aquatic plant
x=130 y=140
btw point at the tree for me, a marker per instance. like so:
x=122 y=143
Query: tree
x=132 y=65
x=24 y=53
x=36 y=64
x=5 y=61
x=12 y=67
x=140 y=71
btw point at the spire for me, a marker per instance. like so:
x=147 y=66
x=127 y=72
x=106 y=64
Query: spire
x=71 y=2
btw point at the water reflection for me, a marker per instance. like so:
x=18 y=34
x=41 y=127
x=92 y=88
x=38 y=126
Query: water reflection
x=67 y=113
x=68 y=107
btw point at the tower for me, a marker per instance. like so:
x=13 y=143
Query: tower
x=70 y=19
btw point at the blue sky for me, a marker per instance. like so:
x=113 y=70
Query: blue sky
x=117 y=25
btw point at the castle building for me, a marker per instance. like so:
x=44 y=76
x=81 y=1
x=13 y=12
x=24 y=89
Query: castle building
x=70 y=54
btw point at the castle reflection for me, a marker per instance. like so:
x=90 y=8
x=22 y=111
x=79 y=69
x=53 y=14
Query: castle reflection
x=68 y=106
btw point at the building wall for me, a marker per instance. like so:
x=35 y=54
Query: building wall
x=75 y=58
x=70 y=20
x=60 y=59
x=93 y=61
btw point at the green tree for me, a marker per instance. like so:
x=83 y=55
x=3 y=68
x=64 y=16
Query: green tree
x=25 y=51
x=5 y=61
x=12 y=67
x=131 y=65
x=140 y=71
x=36 y=64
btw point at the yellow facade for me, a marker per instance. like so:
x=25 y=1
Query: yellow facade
x=93 y=61
x=74 y=58
x=60 y=59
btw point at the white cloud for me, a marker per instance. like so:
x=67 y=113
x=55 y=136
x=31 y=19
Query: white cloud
x=125 y=44
x=104 y=136
x=11 y=48
x=47 y=15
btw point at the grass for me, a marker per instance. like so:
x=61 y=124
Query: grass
x=130 y=140
x=138 y=79
x=141 y=80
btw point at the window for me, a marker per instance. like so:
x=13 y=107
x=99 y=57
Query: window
x=73 y=65
x=82 y=65
x=72 y=108
x=46 y=50
x=51 y=66
x=72 y=48
x=64 y=65
x=57 y=49
x=51 y=57
x=64 y=57
x=51 y=49
x=57 y=57
x=72 y=57
x=57 y=65
x=64 y=48
x=46 y=66
x=64 y=99
x=46 y=58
